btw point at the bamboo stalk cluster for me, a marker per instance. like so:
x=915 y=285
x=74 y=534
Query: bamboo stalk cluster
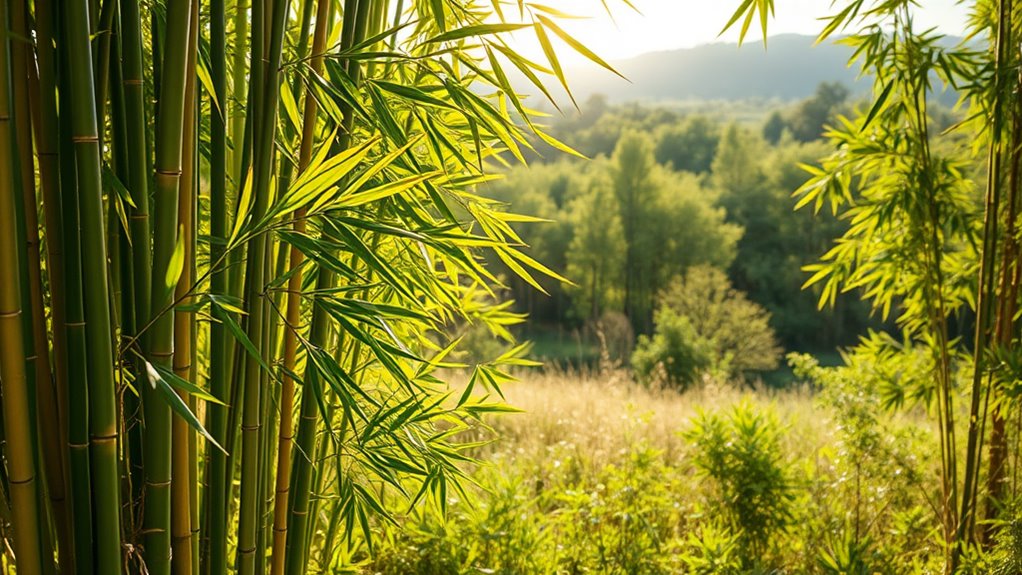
x=229 y=257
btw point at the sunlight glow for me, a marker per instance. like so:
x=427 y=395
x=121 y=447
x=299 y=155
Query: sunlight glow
x=673 y=24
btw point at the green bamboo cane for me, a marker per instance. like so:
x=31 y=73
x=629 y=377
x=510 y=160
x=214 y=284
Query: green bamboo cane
x=293 y=314
x=102 y=392
x=963 y=535
x=103 y=33
x=215 y=495
x=130 y=426
x=354 y=30
x=44 y=127
x=272 y=343
x=23 y=68
x=264 y=136
x=246 y=376
x=181 y=528
x=137 y=182
x=77 y=384
x=240 y=139
x=45 y=124
x=137 y=169
x=239 y=92
x=160 y=340
x=18 y=430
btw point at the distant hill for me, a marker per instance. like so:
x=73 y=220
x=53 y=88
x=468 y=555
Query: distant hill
x=789 y=68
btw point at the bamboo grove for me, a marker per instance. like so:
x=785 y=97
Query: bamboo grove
x=231 y=235
x=933 y=240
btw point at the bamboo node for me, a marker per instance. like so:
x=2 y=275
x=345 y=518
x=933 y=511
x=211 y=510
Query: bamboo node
x=169 y=173
x=250 y=427
x=9 y=314
x=88 y=139
x=157 y=484
x=13 y=481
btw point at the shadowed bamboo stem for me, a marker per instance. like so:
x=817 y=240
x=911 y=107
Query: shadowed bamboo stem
x=18 y=430
x=77 y=383
x=44 y=124
x=23 y=69
x=214 y=557
x=160 y=340
x=137 y=182
x=99 y=327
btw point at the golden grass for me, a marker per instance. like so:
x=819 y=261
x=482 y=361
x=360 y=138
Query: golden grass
x=600 y=416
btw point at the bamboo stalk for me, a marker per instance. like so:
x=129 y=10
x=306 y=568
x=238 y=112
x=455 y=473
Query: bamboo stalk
x=214 y=557
x=46 y=408
x=181 y=488
x=137 y=181
x=353 y=31
x=293 y=314
x=77 y=391
x=102 y=391
x=160 y=341
x=43 y=112
x=18 y=432
x=265 y=108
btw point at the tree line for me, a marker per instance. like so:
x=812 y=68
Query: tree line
x=669 y=190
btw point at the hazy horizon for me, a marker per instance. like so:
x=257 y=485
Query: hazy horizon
x=677 y=24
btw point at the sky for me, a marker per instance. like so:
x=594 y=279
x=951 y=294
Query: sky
x=670 y=24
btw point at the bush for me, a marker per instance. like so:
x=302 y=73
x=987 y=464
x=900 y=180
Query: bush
x=737 y=330
x=676 y=355
x=741 y=454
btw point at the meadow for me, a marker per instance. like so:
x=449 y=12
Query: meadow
x=598 y=474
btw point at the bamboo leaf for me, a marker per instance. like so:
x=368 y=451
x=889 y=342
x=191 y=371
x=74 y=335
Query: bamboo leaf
x=477 y=30
x=202 y=71
x=239 y=335
x=412 y=93
x=551 y=56
x=576 y=45
x=244 y=207
x=159 y=382
x=177 y=262
x=384 y=191
x=290 y=106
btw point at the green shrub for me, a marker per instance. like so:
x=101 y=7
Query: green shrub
x=877 y=465
x=741 y=455
x=703 y=325
x=675 y=355
x=713 y=550
x=736 y=329
x=625 y=524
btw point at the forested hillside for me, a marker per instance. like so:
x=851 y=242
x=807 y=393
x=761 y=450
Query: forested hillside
x=788 y=68
x=670 y=191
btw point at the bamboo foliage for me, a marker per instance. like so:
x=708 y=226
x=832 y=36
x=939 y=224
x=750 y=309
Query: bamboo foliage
x=253 y=244
x=923 y=243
